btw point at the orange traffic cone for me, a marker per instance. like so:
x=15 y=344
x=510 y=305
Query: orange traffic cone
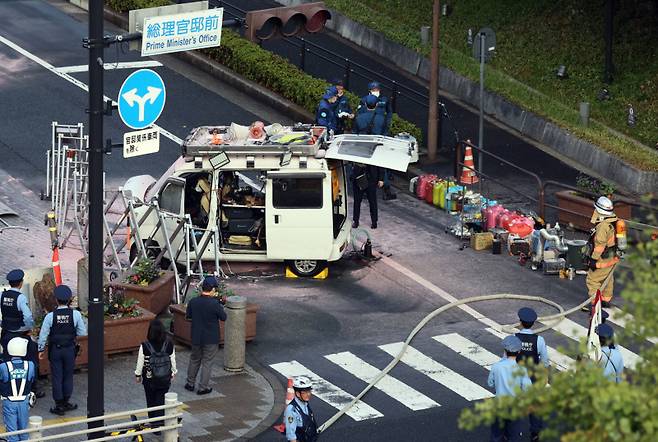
x=56 y=269
x=290 y=394
x=469 y=176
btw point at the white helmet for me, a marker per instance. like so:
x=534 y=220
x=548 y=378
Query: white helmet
x=302 y=383
x=17 y=347
x=604 y=206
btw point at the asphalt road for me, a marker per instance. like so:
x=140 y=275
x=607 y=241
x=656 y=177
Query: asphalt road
x=335 y=327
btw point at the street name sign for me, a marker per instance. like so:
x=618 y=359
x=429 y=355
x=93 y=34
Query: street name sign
x=141 y=142
x=141 y=99
x=182 y=32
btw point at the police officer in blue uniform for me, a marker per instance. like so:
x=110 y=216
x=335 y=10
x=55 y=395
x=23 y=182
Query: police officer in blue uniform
x=16 y=377
x=343 y=109
x=611 y=359
x=506 y=376
x=300 y=421
x=59 y=331
x=326 y=114
x=16 y=313
x=533 y=347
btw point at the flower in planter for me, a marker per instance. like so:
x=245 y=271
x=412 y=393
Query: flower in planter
x=117 y=306
x=594 y=186
x=144 y=273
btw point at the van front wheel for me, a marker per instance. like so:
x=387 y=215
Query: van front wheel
x=306 y=267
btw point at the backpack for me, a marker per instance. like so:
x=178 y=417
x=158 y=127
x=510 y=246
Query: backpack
x=159 y=363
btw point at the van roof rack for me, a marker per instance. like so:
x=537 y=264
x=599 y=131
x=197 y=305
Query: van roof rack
x=300 y=139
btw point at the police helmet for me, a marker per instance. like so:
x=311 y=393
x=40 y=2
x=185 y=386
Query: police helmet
x=330 y=92
x=62 y=293
x=526 y=314
x=371 y=101
x=302 y=383
x=17 y=347
x=15 y=275
x=604 y=206
x=374 y=85
x=605 y=331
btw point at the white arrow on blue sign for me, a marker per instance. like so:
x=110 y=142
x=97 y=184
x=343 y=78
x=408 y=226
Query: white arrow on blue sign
x=141 y=99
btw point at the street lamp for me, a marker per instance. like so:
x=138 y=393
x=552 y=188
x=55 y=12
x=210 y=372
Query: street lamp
x=485 y=45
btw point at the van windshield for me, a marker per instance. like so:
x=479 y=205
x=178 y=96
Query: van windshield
x=297 y=193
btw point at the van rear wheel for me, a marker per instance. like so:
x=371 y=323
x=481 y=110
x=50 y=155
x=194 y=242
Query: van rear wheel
x=306 y=268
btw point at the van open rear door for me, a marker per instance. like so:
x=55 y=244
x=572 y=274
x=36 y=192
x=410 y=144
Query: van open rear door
x=375 y=150
x=298 y=216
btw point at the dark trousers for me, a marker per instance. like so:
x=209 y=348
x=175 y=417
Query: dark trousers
x=201 y=357
x=536 y=425
x=155 y=396
x=62 y=364
x=507 y=430
x=371 y=193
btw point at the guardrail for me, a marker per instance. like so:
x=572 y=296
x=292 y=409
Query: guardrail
x=133 y=428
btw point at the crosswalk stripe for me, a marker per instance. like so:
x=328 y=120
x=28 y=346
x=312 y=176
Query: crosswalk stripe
x=616 y=318
x=558 y=360
x=468 y=349
x=396 y=389
x=438 y=372
x=328 y=392
x=577 y=332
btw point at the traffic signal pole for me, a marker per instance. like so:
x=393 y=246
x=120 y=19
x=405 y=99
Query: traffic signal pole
x=433 y=112
x=95 y=378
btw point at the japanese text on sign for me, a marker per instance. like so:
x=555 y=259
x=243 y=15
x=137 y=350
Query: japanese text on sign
x=182 y=32
x=141 y=142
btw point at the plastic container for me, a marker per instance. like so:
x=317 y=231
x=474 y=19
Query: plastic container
x=436 y=192
x=521 y=225
x=576 y=256
x=412 y=185
x=424 y=185
x=490 y=214
x=429 y=195
x=500 y=216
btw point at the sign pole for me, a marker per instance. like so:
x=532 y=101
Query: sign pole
x=481 y=122
x=95 y=378
x=433 y=138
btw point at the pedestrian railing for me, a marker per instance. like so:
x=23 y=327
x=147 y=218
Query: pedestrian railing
x=129 y=428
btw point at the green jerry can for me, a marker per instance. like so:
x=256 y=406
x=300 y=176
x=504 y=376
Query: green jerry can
x=438 y=192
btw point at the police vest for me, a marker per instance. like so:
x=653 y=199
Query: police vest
x=308 y=432
x=62 y=331
x=18 y=388
x=528 y=347
x=12 y=317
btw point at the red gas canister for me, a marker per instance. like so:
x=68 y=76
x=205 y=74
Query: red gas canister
x=490 y=215
x=424 y=186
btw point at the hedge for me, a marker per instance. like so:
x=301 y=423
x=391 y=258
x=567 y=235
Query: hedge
x=533 y=38
x=267 y=69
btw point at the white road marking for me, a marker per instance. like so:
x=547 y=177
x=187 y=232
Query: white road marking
x=438 y=372
x=558 y=360
x=577 y=332
x=396 y=389
x=43 y=63
x=111 y=66
x=617 y=318
x=328 y=392
x=468 y=349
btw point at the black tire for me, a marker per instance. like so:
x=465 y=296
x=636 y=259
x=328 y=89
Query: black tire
x=306 y=268
x=152 y=252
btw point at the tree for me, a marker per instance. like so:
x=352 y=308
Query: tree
x=582 y=405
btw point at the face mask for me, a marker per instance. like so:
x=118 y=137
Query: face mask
x=375 y=93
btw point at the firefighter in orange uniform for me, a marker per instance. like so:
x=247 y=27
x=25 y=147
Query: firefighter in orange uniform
x=603 y=250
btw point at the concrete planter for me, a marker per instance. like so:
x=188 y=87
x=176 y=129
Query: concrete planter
x=183 y=327
x=121 y=335
x=154 y=297
x=569 y=200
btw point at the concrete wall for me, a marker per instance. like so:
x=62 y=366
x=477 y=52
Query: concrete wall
x=526 y=123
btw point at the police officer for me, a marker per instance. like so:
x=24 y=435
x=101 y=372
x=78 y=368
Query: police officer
x=59 y=331
x=16 y=377
x=326 y=114
x=533 y=348
x=300 y=421
x=343 y=110
x=16 y=313
x=611 y=360
x=603 y=256
x=505 y=376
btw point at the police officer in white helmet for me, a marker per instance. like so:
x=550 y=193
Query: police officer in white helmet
x=300 y=421
x=16 y=377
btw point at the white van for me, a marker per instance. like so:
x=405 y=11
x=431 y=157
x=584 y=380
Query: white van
x=274 y=194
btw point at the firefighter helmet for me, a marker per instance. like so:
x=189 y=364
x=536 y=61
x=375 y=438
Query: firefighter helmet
x=604 y=206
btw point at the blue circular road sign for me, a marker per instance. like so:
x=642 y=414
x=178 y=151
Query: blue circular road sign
x=141 y=99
